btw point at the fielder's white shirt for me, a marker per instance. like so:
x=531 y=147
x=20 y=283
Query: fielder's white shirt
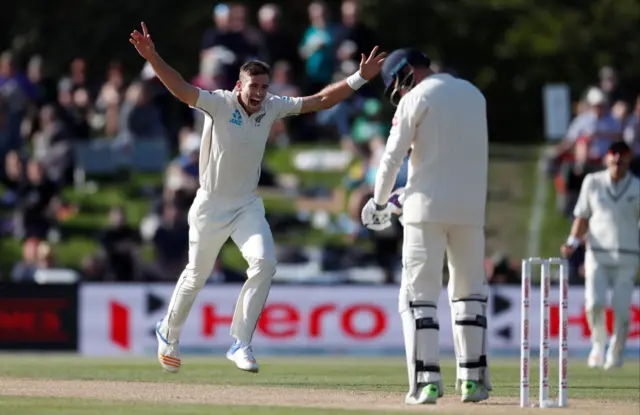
x=443 y=120
x=233 y=143
x=613 y=212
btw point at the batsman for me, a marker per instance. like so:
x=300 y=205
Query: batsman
x=442 y=121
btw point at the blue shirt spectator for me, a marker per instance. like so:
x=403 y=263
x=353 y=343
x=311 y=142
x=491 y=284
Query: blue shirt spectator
x=317 y=47
x=597 y=124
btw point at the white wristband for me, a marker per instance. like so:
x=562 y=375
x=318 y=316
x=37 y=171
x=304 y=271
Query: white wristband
x=356 y=81
x=573 y=242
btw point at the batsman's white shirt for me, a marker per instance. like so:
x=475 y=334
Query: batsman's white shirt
x=233 y=142
x=613 y=212
x=443 y=121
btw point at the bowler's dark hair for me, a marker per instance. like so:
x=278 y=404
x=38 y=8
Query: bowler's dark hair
x=253 y=68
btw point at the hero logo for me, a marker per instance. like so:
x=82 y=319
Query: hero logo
x=564 y=374
x=545 y=370
x=284 y=320
x=526 y=330
x=525 y=372
x=580 y=321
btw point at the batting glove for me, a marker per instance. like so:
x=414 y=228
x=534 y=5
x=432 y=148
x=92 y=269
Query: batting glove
x=376 y=217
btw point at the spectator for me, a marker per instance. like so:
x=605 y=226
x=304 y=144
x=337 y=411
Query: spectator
x=139 y=118
x=107 y=105
x=632 y=137
x=13 y=179
x=210 y=77
x=317 y=48
x=121 y=247
x=25 y=270
x=159 y=96
x=52 y=146
x=595 y=124
x=171 y=244
x=368 y=127
x=75 y=105
x=589 y=136
x=620 y=112
x=353 y=37
x=500 y=270
x=77 y=77
x=234 y=45
x=93 y=268
x=610 y=86
x=37 y=203
x=45 y=87
x=282 y=84
x=221 y=26
x=5 y=143
x=182 y=172
x=277 y=44
x=17 y=93
x=335 y=120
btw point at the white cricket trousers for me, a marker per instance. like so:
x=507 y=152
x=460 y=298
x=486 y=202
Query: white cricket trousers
x=599 y=277
x=423 y=252
x=212 y=221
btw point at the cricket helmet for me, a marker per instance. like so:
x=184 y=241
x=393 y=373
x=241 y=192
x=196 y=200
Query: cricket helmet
x=397 y=71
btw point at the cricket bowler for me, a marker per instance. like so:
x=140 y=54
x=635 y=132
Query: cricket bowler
x=607 y=214
x=234 y=136
x=443 y=121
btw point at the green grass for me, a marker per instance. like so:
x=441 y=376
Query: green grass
x=13 y=405
x=291 y=376
x=343 y=373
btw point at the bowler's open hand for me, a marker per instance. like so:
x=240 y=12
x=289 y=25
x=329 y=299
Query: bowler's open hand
x=370 y=66
x=143 y=43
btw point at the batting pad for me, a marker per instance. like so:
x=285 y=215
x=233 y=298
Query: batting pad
x=470 y=332
x=421 y=334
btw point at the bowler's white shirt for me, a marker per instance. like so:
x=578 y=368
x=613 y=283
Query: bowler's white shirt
x=233 y=143
x=613 y=212
x=443 y=120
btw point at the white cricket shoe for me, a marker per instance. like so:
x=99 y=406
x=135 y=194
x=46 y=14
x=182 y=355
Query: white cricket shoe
x=612 y=363
x=426 y=393
x=242 y=355
x=168 y=353
x=596 y=357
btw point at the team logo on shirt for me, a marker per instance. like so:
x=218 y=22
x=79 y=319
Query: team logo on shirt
x=259 y=119
x=236 y=118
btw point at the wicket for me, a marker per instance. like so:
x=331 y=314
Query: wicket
x=525 y=352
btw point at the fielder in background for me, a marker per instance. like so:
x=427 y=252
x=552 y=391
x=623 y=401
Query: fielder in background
x=236 y=128
x=608 y=214
x=443 y=121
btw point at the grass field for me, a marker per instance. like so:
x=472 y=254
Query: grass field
x=64 y=384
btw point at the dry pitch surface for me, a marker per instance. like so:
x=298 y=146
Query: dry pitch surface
x=73 y=385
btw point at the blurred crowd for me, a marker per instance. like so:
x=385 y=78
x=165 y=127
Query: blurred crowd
x=607 y=112
x=45 y=119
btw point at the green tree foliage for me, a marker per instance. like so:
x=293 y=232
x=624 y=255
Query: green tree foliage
x=509 y=48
